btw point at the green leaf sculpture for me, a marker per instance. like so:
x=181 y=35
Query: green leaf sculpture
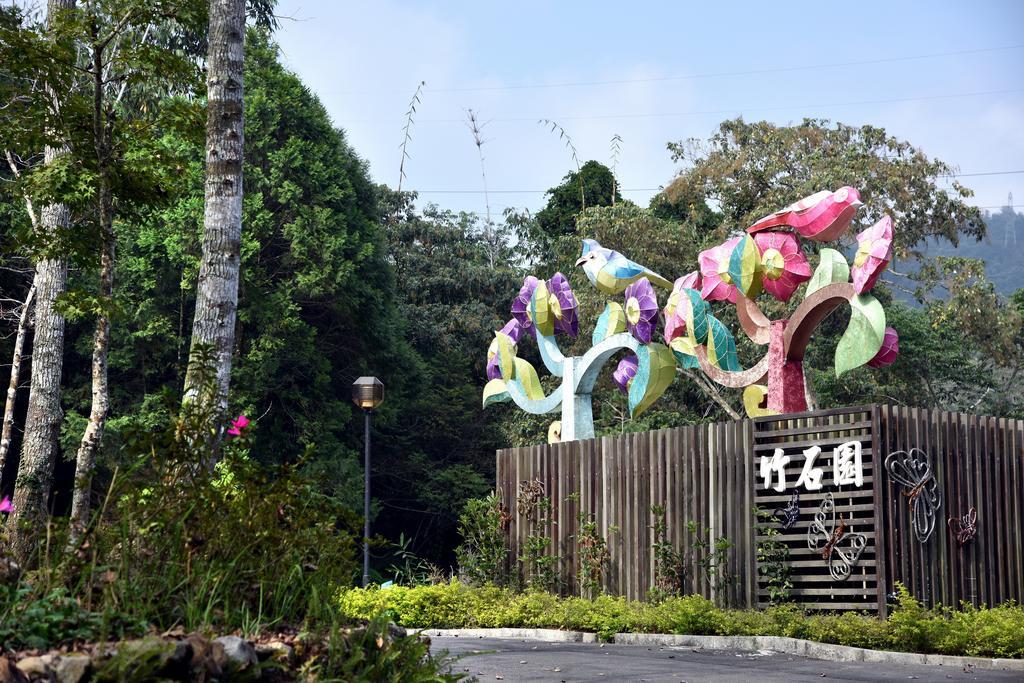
x=656 y=368
x=831 y=268
x=864 y=335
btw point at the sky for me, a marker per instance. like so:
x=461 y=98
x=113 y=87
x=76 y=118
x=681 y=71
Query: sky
x=945 y=76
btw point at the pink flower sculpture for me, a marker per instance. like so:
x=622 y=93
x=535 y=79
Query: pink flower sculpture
x=783 y=263
x=625 y=372
x=675 y=321
x=873 y=253
x=714 y=269
x=512 y=330
x=641 y=310
x=6 y=506
x=563 y=305
x=822 y=217
x=238 y=424
x=521 y=304
x=890 y=349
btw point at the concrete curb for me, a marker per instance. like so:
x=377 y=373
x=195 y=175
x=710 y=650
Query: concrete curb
x=545 y=635
x=790 y=646
x=809 y=648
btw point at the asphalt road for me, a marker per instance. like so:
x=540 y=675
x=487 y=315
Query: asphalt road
x=490 y=659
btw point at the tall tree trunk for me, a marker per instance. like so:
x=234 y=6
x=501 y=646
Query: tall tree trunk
x=12 y=388
x=93 y=436
x=42 y=423
x=217 y=290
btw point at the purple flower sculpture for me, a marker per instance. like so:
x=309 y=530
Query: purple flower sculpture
x=563 y=305
x=512 y=330
x=625 y=372
x=521 y=304
x=641 y=310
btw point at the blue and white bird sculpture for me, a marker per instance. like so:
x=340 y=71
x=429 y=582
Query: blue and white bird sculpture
x=611 y=272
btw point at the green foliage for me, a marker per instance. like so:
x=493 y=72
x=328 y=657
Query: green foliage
x=772 y=558
x=481 y=555
x=670 y=565
x=370 y=654
x=239 y=542
x=997 y=631
x=30 y=618
x=409 y=569
x=591 y=186
x=539 y=565
x=712 y=556
x=593 y=553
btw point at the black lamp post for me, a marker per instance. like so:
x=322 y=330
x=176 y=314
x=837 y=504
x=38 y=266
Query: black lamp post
x=367 y=393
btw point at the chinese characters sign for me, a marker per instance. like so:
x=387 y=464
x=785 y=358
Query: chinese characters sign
x=847 y=468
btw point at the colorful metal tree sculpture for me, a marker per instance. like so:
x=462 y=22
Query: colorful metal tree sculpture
x=769 y=259
x=766 y=259
x=545 y=309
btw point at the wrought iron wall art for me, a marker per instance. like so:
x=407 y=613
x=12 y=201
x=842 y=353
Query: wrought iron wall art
x=787 y=515
x=912 y=470
x=964 y=527
x=839 y=547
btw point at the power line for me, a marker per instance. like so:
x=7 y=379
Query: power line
x=655 y=189
x=734 y=110
x=721 y=74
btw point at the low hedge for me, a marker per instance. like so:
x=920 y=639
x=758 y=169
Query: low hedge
x=990 y=632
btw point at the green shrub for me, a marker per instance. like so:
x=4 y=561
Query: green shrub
x=982 y=632
x=29 y=620
x=481 y=555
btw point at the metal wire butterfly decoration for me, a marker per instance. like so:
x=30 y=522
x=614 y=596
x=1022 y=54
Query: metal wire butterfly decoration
x=787 y=515
x=913 y=472
x=839 y=547
x=965 y=527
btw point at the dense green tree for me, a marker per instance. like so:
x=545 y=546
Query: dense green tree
x=315 y=305
x=592 y=185
x=450 y=300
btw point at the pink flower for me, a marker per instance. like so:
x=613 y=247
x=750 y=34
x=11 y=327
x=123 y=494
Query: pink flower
x=783 y=264
x=238 y=424
x=873 y=253
x=890 y=349
x=675 y=319
x=714 y=268
x=5 y=505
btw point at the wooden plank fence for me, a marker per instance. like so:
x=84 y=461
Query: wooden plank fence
x=707 y=478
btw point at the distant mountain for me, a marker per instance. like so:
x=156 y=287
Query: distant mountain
x=1002 y=250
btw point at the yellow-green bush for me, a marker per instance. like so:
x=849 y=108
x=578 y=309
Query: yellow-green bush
x=996 y=632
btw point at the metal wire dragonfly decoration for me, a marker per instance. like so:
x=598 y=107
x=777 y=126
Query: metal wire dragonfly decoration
x=839 y=547
x=912 y=470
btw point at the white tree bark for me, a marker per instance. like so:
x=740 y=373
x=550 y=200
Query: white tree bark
x=217 y=289
x=12 y=388
x=93 y=437
x=42 y=423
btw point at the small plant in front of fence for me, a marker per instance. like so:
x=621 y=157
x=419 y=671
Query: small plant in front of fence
x=481 y=555
x=670 y=565
x=712 y=557
x=538 y=564
x=772 y=558
x=593 y=553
